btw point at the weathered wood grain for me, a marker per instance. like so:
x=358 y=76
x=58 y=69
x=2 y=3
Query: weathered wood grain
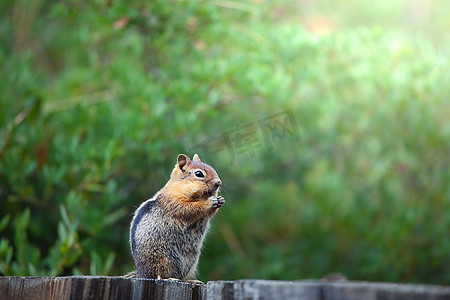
x=262 y=289
x=94 y=287
x=99 y=287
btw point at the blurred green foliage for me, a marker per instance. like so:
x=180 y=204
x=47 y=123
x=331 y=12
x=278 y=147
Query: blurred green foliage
x=98 y=98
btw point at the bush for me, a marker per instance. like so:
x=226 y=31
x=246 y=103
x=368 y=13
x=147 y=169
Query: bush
x=98 y=99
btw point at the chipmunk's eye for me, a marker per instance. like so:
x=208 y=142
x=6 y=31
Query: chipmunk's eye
x=199 y=174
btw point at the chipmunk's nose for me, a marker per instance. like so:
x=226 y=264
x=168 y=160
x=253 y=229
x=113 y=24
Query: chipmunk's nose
x=217 y=184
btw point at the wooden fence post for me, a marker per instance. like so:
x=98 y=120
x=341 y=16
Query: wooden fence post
x=103 y=287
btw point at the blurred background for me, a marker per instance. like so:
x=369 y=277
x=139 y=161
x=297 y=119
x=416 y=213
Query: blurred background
x=327 y=121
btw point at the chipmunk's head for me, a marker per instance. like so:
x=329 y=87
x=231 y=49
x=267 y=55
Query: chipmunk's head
x=194 y=178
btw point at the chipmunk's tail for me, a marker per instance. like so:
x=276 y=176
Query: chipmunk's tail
x=132 y=274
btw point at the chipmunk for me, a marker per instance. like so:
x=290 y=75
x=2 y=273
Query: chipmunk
x=167 y=231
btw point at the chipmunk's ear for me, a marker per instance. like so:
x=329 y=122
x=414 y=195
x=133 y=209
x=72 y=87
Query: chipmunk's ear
x=183 y=161
x=196 y=158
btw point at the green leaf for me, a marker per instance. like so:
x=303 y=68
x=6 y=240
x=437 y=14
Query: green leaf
x=4 y=222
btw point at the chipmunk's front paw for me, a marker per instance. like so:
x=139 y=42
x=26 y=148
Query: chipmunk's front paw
x=217 y=202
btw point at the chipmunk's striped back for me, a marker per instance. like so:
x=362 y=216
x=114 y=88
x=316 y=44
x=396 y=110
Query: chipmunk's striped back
x=142 y=210
x=167 y=231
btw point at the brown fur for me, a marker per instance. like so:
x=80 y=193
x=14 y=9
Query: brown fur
x=166 y=233
x=188 y=199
